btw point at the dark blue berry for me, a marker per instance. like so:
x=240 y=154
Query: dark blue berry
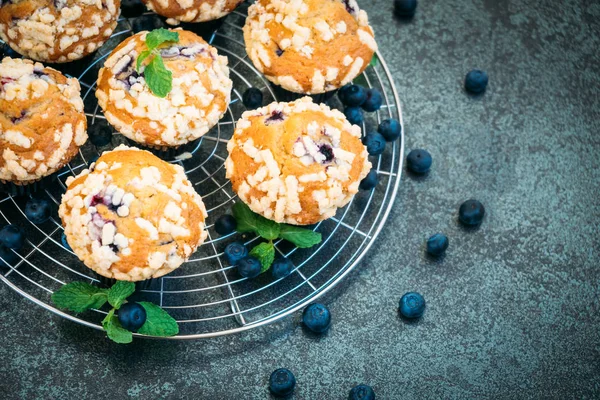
x=100 y=135
x=146 y=23
x=235 y=251
x=252 y=98
x=282 y=267
x=132 y=8
x=405 y=8
x=362 y=392
x=316 y=317
x=282 y=382
x=7 y=257
x=38 y=211
x=132 y=316
x=419 y=161
x=471 y=212
x=373 y=101
x=476 y=81
x=63 y=240
x=354 y=115
x=437 y=244
x=352 y=95
x=12 y=236
x=370 y=180
x=375 y=143
x=412 y=305
x=249 y=267
x=225 y=224
x=390 y=129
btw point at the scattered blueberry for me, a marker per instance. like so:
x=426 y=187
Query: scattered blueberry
x=354 y=115
x=146 y=23
x=471 y=212
x=316 y=317
x=63 y=240
x=12 y=237
x=225 y=224
x=373 y=101
x=249 y=267
x=362 y=392
x=437 y=244
x=370 y=180
x=7 y=257
x=132 y=316
x=38 y=211
x=405 y=8
x=390 y=129
x=132 y=8
x=352 y=95
x=476 y=81
x=282 y=382
x=100 y=135
x=252 y=98
x=419 y=161
x=235 y=251
x=375 y=143
x=282 y=267
x=412 y=305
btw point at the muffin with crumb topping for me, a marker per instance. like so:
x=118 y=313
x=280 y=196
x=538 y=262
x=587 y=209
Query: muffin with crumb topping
x=177 y=11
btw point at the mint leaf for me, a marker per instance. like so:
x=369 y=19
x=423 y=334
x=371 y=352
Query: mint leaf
x=158 y=321
x=248 y=221
x=143 y=55
x=158 y=77
x=79 y=296
x=159 y=36
x=301 y=237
x=265 y=253
x=267 y=229
x=119 y=292
x=114 y=330
x=374 y=60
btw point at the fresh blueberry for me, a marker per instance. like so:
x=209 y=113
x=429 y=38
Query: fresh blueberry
x=100 y=135
x=405 y=8
x=249 y=267
x=471 y=212
x=63 y=240
x=7 y=257
x=373 y=101
x=354 y=115
x=362 y=392
x=390 y=129
x=12 y=236
x=352 y=95
x=437 y=244
x=132 y=8
x=412 y=305
x=370 y=180
x=38 y=211
x=375 y=143
x=225 y=224
x=132 y=316
x=235 y=251
x=282 y=382
x=419 y=161
x=252 y=98
x=476 y=81
x=282 y=267
x=316 y=317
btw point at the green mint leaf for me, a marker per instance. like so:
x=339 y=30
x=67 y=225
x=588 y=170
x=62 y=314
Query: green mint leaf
x=158 y=78
x=114 y=330
x=158 y=321
x=159 y=36
x=268 y=229
x=374 y=60
x=301 y=237
x=119 y=292
x=143 y=55
x=265 y=253
x=248 y=221
x=79 y=296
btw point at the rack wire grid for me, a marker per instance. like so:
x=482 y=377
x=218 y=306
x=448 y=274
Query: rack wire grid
x=205 y=295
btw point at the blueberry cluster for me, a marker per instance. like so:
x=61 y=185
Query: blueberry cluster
x=248 y=266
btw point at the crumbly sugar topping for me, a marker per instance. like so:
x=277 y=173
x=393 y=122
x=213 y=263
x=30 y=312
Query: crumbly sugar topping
x=178 y=11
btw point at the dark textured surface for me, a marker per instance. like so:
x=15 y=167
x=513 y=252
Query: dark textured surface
x=513 y=308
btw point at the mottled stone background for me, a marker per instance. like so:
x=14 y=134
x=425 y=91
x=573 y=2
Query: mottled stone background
x=513 y=309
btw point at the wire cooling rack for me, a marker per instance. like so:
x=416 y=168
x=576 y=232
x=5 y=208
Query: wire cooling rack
x=206 y=295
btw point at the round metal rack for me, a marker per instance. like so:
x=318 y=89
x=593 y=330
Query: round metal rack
x=205 y=295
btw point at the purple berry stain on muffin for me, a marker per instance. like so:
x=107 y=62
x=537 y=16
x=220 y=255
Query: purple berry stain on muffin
x=327 y=151
x=276 y=117
x=349 y=8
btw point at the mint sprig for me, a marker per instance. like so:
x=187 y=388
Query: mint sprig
x=248 y=221
x=81 y=296
x=158 y=78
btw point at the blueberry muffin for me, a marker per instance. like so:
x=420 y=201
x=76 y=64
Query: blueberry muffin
x=177 y=11
x=296 y=162
x=57 y=31
x=132 y=216
x=200 y=92
x=309 y=46
x=42 y=123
